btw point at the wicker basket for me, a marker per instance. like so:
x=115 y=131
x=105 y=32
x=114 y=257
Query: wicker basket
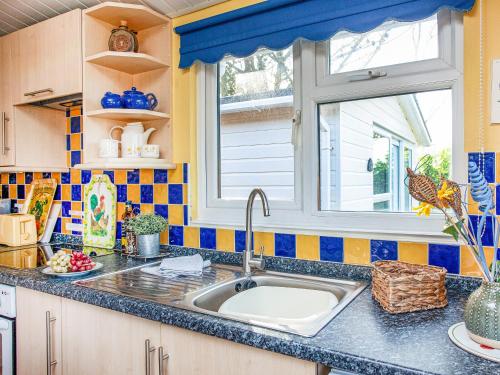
x=403 y=287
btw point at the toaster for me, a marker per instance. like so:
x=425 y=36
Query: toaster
x=17 y=229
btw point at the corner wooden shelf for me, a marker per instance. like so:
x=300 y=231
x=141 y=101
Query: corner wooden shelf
x=123 y=114
x=106 y=164
x=32 y=169
x=127 y=62
x=138 y=17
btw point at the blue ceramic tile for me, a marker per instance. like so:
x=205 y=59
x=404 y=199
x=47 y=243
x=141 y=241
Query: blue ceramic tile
x=133 y=176
x=160 y=176
x=118 y=229
x=161 y=209
x=65 y=177
x=146 y=193
x=20 y=192
x=489 y=164
x=447 y=256
x=186 y=214
x=86 y=176
x=57 y=195
x=121 y=193
x=239 y=240
x=284 y=245
x=111 y=175
x=497 y=203
x=58 y=226
x=76 y=192
x=12 y=178
x=175 y=193
x=46 y=175
x=28 y=177
x=207 y=238
x=487 y=236
x=68 y=142
x=185 y=173
x=13 y=208
x=76 y=158
x=176 y=235
x=76 y=221
x=331 y=249
x=383 y=250
x=75 y=125
x=65 y=208
x=5 y=191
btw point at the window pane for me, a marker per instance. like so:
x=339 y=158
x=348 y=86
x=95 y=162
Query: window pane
x=391 y=43
x=255 y=125
x=362 y=167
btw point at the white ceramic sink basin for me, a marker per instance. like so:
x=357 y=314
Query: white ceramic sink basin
x=281 y=305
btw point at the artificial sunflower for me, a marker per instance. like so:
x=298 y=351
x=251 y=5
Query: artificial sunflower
x=423 y=209
x=445 y=194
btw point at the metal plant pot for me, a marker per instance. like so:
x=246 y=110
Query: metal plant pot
x=482 y=315
x=148 y=245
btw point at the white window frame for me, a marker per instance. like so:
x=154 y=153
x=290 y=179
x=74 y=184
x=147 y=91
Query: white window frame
x=314 y=87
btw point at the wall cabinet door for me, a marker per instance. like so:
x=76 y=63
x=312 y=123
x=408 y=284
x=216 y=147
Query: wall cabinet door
x=196 y=354
x=105 y=342
x=50 y=58
x=7 y=152
x=38 y=333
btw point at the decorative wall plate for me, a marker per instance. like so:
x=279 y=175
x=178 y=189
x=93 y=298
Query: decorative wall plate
x=99 y=215
x=39 y=202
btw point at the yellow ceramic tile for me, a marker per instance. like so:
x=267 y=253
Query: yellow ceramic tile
x=97 y=171
x=134 y=193
x=471 y=205
x=412 y=252
x=356 y=251
x=76 y=206
x=225 y=239
x=5 y=178
x=37 y=175
x=175 y=175
x=146 y=176
x=20 y=178
x=57 y=176
x=175 y=214
x=307 y=247
x=75 y=111
x=64 y=222
x=185 y=191
x=75 y=142
x=76 y=176
x=68 y=159
x=468 y=266
x=160 y=194
x=164 y=238
x=265 y=239
x=120 y=210
x=68 y=125
x=191 y=236
x=120 y=177
x=66 y=192
x=12 y=191
x=147 y=208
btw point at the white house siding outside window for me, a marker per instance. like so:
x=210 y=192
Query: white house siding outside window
x=328 y=129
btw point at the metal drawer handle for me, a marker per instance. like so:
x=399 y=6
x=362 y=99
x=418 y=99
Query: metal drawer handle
x=148 y=350
x=161 y=358
x=48 y=336
x=33 y=93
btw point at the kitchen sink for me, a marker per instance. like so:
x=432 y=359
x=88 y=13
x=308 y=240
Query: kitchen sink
x=292 y=303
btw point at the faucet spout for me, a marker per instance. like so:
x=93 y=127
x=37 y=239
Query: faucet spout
x=248 y=260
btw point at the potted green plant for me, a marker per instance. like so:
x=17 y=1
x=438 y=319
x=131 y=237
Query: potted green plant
x=147 y=228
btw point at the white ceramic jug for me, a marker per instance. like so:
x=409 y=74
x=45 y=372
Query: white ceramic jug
x=133 y=138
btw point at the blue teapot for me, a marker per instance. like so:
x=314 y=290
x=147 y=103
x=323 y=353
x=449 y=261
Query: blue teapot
x=110 y=100
x=134 y=99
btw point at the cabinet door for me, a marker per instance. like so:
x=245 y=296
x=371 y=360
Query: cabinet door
x=106 y=342
x=50 y=58
x=196 y=354
x=7 y=81
x=38 y=333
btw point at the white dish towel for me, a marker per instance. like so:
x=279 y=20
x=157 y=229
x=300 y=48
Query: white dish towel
x=181 y=266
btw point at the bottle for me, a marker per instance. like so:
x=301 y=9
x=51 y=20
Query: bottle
x=127 y=215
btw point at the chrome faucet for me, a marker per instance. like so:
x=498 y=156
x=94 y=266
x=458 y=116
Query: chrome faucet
x=249 y=261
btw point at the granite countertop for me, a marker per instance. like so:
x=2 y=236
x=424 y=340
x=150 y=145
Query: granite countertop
x=363 y=338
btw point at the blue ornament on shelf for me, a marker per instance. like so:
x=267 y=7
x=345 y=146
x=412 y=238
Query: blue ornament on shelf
x=111 y=100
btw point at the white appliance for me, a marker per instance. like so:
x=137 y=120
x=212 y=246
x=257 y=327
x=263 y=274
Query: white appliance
x=7 y=329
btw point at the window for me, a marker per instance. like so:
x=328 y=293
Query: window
x=328 y=129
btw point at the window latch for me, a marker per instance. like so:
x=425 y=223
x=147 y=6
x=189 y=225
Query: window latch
x=296 y=121
x=370 y=74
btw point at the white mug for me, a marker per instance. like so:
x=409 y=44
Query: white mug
x=150 y=151
x=108 y=148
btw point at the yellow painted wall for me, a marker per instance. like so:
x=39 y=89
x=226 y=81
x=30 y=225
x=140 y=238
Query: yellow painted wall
x=491 y=17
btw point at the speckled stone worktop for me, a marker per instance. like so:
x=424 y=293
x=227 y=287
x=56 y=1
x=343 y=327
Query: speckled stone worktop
x=362 y=338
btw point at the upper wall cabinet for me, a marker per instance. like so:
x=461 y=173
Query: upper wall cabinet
x=7 y=155
x=49 y=58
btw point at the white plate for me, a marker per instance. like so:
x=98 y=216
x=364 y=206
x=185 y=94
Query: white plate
x=458 y=334
x=48 y=271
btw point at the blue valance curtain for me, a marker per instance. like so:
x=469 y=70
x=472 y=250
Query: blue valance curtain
x=276 y=24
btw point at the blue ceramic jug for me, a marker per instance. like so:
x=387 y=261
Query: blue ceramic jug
x=134 y=99
x=110 y=100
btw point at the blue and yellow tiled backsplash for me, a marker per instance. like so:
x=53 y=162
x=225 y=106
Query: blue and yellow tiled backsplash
x=166 y=193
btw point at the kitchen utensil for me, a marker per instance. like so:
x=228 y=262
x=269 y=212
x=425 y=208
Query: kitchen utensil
x=39 y=202
x=111 y=100
x=134 y=99
x=51 y=222
x=108 y=148
x=50 y=272
x=150 y=151
x=123 y=39
x=133 y=138
x=17 y=229
x=99 y=217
